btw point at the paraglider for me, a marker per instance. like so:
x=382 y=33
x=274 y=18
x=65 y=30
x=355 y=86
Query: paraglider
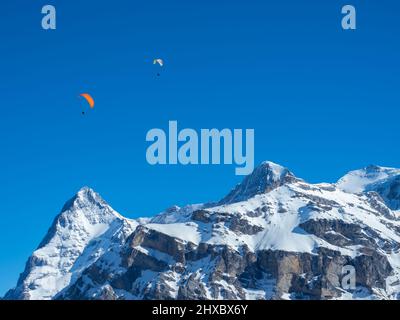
x=89 y=100
x=160 y=62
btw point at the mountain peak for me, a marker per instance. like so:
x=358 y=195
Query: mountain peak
x=358 y=181
x=85 y=198
x=85 y=217
x=87 y=193
x=85 y=190
x=272 y=168
x=373 y=168
x=265 y=177
x=85 y=208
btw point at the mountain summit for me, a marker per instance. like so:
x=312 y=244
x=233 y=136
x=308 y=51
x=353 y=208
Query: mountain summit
x=274 y=236
x=264 y=178
x=78 y=236
x=384 y=181
x=360 y=180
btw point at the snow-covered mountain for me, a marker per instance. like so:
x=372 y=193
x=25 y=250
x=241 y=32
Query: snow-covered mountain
x=274 y=236
x=85 y=229
x=385 y=181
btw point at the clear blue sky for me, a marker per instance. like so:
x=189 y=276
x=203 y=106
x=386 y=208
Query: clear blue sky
x=322 y=100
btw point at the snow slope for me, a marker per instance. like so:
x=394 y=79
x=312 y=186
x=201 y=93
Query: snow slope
x=384 y=181
x=358 y=181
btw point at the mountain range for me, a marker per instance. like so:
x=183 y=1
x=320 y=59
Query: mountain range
x=274 y=236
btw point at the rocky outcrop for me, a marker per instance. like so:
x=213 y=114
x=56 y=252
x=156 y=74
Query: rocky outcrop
x=318 y=276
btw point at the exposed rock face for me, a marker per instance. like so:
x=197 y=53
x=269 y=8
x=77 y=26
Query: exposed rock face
x=230 y=274
x=273 y=237
x=389 y=191
x=342 y=234
x=318 y=276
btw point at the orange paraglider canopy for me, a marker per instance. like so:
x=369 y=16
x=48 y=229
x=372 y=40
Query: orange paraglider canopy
x=88 y=98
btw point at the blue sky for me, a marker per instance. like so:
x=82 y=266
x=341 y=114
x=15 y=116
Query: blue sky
x=322 y=100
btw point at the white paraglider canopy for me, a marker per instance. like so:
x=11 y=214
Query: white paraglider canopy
x=158 y=61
